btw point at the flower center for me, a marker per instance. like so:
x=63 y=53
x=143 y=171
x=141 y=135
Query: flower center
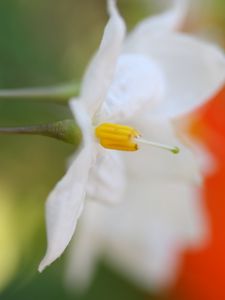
x=124 y=138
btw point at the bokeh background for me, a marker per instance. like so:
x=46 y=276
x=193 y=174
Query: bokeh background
x=47 y=42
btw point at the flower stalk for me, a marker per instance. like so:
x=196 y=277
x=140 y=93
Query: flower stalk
x=61 y=93
x=66 y=131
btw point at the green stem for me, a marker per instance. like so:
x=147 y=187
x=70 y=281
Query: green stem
x=66 y=131
x=56 y=94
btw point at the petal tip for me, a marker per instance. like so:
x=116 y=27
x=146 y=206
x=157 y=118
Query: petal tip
x=42 y=266
x=111 y=7
x=115 y=15
x=45 y=262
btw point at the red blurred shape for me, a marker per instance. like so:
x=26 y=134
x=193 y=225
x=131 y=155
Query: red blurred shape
x=203 y=272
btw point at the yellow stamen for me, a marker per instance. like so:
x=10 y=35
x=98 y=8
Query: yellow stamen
x=117 y=137
x=124 y=138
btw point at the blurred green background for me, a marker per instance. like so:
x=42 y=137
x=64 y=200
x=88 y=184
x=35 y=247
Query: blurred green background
x=46 y=42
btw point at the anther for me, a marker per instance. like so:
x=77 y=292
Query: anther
x=117 y=137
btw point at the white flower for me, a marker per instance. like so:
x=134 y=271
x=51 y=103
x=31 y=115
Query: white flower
x=143 y=80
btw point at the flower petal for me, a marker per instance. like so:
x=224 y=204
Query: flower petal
x=138 y=84
x=167 y=21
x=194 y=70
x=157 y=221
x=83 y=119
x=64 y=206
x=150 y=162
x=85 y=249
x=107 y=178
x=100 y=72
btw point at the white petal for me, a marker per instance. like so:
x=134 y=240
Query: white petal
x=64 y=206
x=160 y=164
x=107 y=180
x=138 y=84
x=100 y=72
x=144 y=235
x=162 y=23
x=83 y=119
x=85 y=250
x=194 y=70
x=151 y=228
